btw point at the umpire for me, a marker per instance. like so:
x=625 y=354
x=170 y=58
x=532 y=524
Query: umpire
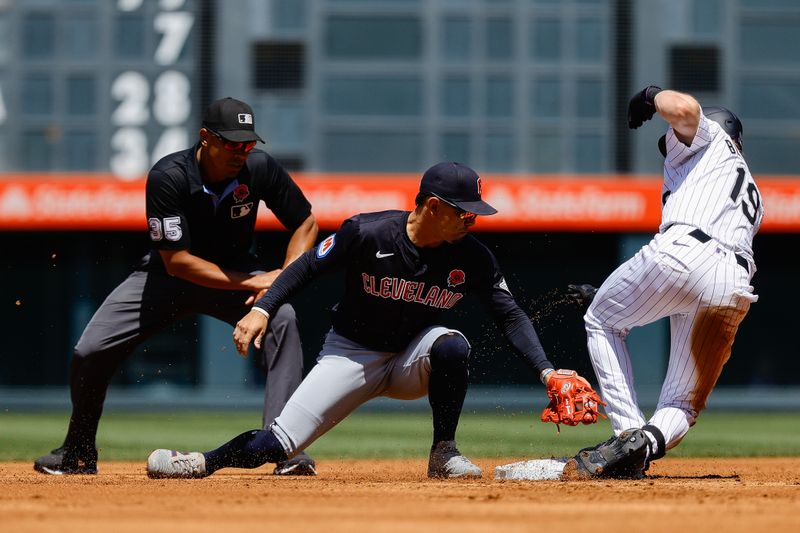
x=201 y=212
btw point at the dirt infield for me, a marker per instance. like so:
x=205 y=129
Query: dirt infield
x=721 y=495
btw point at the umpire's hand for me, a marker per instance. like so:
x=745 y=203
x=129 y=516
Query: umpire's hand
x=249 y=329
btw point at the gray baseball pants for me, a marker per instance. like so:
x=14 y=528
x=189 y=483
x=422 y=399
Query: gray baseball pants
x=348 y=375
x=146 y=303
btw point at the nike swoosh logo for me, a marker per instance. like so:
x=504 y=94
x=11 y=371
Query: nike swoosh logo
x=380 y=255
x=676 y=243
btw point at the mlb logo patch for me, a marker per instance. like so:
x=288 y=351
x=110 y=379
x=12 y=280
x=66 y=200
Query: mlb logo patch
x=239 y=211
x=326 y=246
x=245 y=118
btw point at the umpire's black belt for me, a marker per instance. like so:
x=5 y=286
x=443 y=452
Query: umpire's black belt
x=701 y=236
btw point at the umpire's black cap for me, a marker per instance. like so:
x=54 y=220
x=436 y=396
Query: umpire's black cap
x=456 y=184
x=232 y=119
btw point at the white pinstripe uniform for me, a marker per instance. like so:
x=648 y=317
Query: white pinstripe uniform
x=700 y=279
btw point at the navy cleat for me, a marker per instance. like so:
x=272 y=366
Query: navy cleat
x=299 y=465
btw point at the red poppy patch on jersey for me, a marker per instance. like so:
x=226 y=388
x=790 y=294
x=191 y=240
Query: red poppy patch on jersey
x=241 y=192
x=455 y=278
x=326 y=246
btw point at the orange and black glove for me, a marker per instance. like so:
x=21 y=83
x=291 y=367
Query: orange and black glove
x=572 y=400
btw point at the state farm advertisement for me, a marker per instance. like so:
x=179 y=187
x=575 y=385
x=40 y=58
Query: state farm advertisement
x=525 y=203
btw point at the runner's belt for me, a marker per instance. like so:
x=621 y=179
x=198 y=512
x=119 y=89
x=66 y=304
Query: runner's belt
x=701 y=236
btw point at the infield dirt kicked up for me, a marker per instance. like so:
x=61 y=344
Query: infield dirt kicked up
x=680 y=495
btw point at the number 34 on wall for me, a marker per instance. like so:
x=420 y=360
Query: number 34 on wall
x=170 y=96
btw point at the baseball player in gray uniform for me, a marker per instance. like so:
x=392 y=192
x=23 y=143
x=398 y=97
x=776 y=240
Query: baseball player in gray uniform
x=696 y=271
x=402 y=269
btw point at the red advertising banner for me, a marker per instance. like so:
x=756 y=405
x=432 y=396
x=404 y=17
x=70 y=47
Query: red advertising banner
x=604 y=203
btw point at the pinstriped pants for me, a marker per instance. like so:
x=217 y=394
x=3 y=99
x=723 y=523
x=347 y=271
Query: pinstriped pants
x=705 y=293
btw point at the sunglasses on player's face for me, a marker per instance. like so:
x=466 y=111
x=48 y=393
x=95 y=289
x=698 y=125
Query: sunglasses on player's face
x=233 y=146
x=463 y=215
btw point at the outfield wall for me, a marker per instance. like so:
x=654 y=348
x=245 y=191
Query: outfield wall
x=62 y=259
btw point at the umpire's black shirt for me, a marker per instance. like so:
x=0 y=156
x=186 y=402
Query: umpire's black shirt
x=394 y=289
x=216 y=225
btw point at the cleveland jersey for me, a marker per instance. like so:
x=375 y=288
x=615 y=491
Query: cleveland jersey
x=394 y=290
x=708 y=185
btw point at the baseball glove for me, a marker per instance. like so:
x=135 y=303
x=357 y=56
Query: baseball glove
x=572 y=400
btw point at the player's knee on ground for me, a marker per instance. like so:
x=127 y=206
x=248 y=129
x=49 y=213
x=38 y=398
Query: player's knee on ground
x=449 y=350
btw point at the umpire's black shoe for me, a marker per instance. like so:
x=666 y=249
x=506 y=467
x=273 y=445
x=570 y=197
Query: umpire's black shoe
x=60 y=462
x=299 y=465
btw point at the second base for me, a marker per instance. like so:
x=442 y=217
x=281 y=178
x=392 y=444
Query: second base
x=535 y=469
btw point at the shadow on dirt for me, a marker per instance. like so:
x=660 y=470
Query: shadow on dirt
x=734 y=477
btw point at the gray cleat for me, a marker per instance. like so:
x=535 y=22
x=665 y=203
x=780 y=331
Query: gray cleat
x=172 y=464
x=447 y=462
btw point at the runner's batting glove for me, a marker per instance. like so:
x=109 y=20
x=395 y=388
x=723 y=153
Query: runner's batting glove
x=572 y=400
x=642 y=106
x=581 y=295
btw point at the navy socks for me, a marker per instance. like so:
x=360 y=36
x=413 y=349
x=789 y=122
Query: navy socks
x=447 y=386
x=251 y=449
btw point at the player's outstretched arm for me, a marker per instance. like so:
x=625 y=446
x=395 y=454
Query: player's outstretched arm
x=301 y=241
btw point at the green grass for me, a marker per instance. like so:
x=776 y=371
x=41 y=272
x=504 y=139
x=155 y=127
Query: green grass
x=24 y=436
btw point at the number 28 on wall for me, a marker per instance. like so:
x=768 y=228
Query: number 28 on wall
x=170 y=97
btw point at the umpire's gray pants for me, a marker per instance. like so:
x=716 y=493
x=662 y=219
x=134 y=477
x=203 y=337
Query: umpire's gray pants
x=146 y=303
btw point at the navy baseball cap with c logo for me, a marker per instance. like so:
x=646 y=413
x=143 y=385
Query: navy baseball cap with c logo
x=456 y=184
x=232 y=119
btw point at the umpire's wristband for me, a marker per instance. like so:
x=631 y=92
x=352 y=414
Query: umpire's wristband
x=263 y=312
x=543 y=375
